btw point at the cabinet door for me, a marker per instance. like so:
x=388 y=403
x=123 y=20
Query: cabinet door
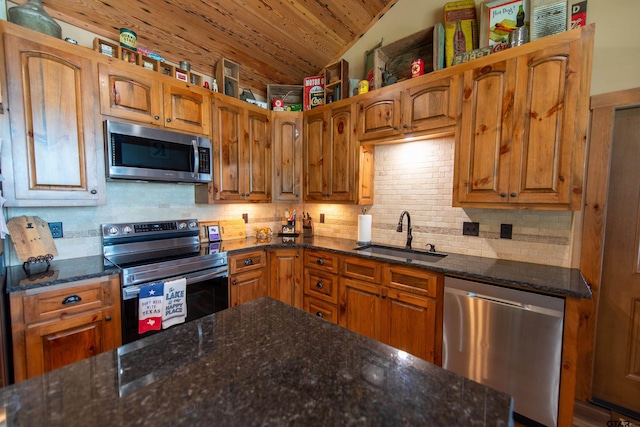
x=129 y=92
x=57 y=150
x=227 y=151
x=285 y=276
x=430 y=106
x=287 y=156
x=186 y=110
x=256 y=158
x=409 y=323
x=247 y=286
x=315 y=162
x=360 y=307
x=548 y=103
x=379 y=116
x=60 y=343
x=483 y=136
x=342 y=150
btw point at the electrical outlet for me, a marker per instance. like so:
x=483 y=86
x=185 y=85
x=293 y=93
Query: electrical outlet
x=246 y=218
x=506 y=231
x=470 y=228
x=321 y=218
x=56 y=229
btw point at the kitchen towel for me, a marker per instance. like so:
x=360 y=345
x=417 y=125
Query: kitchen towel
x=174 y=310
x=150 y=307
x=364 y=229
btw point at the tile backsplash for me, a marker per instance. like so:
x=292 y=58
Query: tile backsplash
x=415 y=176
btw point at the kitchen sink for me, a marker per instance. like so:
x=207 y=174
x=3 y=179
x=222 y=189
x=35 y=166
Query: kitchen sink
x=400 y=252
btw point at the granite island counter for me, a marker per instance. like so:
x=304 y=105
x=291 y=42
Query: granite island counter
x=261 y=363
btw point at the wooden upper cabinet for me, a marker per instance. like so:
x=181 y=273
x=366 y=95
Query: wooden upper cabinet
x=379 y=116
x=334 y=163
x=521 y=139
x=186 y=109
x=134 y=93
x=56 y=151
x=431 y=105
x=287 y=156
x=126 y=91
x=241 y=154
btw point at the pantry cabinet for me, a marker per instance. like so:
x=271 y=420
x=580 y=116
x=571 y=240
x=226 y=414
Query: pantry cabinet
x=57 y=325
x=54 y=154
x=333 y=159
x=521 y=139
x=287 y=156
x=241 y=154
x=134 y=93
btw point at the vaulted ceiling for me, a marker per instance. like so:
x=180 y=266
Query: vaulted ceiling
x=273 y=41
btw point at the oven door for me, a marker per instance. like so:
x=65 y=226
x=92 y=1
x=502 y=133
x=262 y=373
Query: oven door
x=207 y=293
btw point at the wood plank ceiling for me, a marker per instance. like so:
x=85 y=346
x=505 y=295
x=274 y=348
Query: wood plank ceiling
x=273 y=41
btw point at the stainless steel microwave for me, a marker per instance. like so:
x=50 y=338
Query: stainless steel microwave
x=143 y=153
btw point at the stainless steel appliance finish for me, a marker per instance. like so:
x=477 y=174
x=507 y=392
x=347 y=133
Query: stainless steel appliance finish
x=143 y=153
x=507 y=339
x=147 y=252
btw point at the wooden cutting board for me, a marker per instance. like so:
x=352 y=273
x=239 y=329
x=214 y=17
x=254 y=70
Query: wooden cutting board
x=233 y=229
x=31 y=237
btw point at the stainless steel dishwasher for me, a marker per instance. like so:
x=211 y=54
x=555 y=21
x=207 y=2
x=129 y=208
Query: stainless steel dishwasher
x=507 y=339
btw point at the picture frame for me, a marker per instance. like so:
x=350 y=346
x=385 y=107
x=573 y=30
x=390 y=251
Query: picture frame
x=288 y=229
x=498 y=18
x=209 y=231
x=181 y=75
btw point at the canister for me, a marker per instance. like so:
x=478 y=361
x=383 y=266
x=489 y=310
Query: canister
x=363 y=87
x=128 y=39
x=417 y=68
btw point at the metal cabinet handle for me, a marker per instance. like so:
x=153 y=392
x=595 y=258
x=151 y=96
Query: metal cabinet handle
x=320 y=261
x=234 y=282
x=319 y=314
x=156 y=117
x=395 y=128
x=168 y=120
x=72 y=299
x=513 y=194
x=503 y=194
x=319 y=285
x=107 y=318
x=94 y=191
x=377 y=294
x=248 y=261
x=297 y=255
x=384 y=296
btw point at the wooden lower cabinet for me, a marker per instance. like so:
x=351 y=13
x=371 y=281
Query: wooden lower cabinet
x=320 y=308
x=285 y=275
x=57 y=325
x=320 y=284
x=402 y=309
x=247 y=277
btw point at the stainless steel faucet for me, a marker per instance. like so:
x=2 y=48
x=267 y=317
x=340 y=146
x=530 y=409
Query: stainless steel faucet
x=399 y=229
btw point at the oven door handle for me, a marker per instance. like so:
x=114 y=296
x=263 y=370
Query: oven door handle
x=130 y=292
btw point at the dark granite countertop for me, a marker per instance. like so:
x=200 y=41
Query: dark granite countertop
x=261 y=363
x=537 y=278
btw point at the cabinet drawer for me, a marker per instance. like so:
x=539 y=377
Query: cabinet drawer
x=326 y=261
x=60 y=303
x=321 y=285
x=362 y=269
x=421 y=281
x=247 y=261
x=321 y=309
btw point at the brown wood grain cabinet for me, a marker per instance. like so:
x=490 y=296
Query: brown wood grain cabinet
x=320 y=284
x=248 y=276
x=400 y=306
x=287 y=156
x=413 y=108
x=57 y=325
x=56 y=151
x=333 y=157
x=285 y=275
x=241 y=154
x=522 y=134
x=134 y=93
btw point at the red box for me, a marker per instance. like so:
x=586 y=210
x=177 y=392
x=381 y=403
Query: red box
x=313 y=92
